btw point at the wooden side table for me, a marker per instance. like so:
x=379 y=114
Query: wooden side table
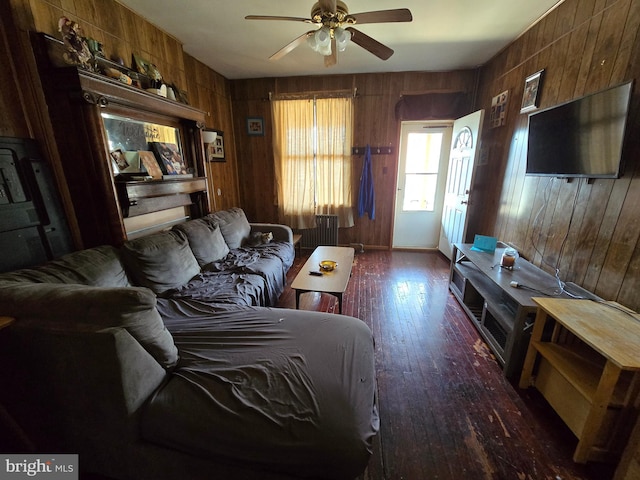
x=588 y=368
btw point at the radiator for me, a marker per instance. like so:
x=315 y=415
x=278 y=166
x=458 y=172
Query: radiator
x=325 y=233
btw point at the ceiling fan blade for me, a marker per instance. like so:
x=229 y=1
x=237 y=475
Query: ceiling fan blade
x=365 y=41
x=383 y=16
x=291 y=45
x=327 y=6
x=269 y=17
x=331 y=60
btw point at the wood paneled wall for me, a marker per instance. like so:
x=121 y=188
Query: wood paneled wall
x=589 y=231
x=13 y=122
x=375 y=124
x=209 y=91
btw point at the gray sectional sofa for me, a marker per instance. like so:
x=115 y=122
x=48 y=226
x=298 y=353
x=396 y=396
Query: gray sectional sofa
x=164 y=359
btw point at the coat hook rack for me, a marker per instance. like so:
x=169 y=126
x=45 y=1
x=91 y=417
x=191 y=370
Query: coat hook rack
x=374 y=150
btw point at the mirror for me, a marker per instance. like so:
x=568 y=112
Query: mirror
x=145 y=149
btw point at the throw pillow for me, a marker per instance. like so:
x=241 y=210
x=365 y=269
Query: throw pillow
x=75 y=306
x=98 y=267
x=161 y=261
x=233 y=224
x=205 y=240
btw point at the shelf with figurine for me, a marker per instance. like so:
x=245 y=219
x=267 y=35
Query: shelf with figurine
x=88 y=54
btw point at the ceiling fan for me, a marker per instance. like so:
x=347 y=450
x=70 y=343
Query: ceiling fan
x=335 y=30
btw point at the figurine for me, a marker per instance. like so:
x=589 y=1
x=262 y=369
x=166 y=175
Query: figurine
x=78 y=52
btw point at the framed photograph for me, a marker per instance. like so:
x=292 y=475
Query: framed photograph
x=169 y=158
x=150 y=164
x=531 y=95
x=255 y=126
x=120 y=163
x=215 y=149
x=499 y=109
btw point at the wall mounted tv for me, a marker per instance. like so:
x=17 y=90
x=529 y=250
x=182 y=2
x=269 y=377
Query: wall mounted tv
x=580 y=138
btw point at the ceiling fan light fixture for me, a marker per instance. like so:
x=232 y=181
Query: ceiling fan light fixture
x=320 y=41
x=313 y=42
x=343 y=37
x=323 y=36
x=325 y=50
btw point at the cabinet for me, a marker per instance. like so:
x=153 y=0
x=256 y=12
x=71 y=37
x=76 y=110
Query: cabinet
x=583 y=358
x=503 y=315
x=91 y=116
x=33 y=224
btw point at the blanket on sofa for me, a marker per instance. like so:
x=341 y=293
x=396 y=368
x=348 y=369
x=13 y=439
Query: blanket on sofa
x=272 y=393
x=264 y=262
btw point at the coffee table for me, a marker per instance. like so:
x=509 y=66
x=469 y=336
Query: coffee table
x=334 y=282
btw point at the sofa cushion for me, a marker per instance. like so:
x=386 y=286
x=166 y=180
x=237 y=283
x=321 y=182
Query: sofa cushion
x=76 y=306
x=233 y=224
x=161 y=261
x=98 y=267
x=205 y=239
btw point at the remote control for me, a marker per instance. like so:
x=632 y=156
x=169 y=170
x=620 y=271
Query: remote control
x=317 y=274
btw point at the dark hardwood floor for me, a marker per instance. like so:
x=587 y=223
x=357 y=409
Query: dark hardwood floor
x=446 y=411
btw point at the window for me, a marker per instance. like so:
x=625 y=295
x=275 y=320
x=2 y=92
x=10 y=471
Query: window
x=421 y=171
x=312 y=152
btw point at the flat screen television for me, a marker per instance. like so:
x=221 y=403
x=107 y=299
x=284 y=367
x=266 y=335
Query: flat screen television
x=580 y=138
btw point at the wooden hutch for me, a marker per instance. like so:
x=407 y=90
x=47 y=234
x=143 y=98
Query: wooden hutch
x=85 y=108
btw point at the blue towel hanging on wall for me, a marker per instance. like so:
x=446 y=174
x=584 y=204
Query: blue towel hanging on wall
x=367 y=195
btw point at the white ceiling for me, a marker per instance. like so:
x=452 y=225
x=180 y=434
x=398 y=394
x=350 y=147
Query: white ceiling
x=444 y=35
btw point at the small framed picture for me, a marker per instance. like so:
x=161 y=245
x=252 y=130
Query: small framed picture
x=499 y=109
x=255 y=126
x=119 y=160
x=530 y=97
x=215 y=148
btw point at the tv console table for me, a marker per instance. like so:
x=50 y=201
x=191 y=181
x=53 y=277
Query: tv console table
x=503 y=315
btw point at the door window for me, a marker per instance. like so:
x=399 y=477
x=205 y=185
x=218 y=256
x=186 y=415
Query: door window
x=421 y=171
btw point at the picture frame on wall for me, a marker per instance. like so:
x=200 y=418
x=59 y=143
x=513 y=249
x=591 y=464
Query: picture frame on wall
x=498 y=115
x=531 y=94
x=214 y=145
x=255 y=126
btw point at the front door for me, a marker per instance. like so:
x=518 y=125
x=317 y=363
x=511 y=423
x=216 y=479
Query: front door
x=424 y=152
x=464 y=151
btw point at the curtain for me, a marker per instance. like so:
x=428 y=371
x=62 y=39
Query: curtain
x=312 y=151
x=293 y=153
x=334 y=186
